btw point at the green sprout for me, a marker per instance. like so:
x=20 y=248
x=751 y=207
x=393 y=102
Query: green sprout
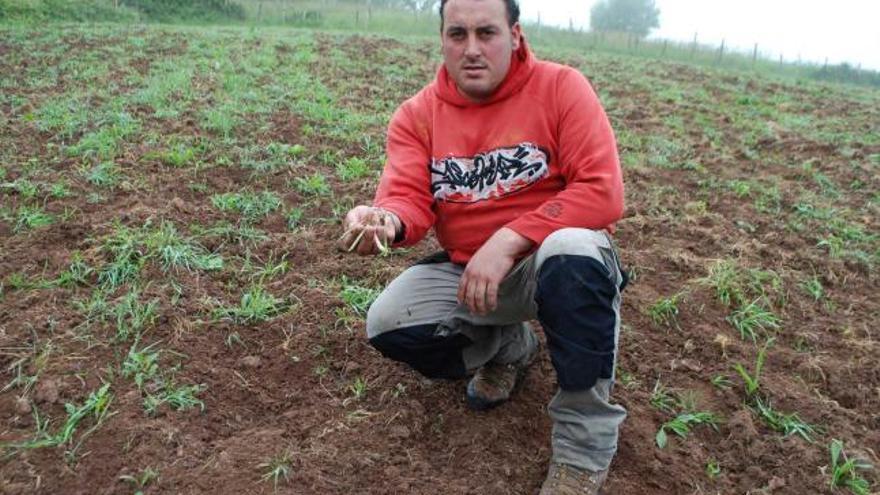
x=256 y=305
x=277 y=468
x=682 y=425
x=752 y=381
x=845 y=472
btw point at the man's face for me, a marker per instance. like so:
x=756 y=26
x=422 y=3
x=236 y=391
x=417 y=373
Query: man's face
x=477 y=43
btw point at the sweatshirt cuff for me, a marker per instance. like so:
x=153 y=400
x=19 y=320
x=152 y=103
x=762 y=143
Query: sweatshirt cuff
x=405 y=236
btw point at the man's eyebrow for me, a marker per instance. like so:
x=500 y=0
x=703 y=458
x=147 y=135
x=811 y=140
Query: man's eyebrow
x=479 y=29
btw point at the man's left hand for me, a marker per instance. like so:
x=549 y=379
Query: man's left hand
x=478 y=287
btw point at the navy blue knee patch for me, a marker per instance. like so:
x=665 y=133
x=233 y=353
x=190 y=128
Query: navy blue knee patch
x=431 y=355
x=575 y=298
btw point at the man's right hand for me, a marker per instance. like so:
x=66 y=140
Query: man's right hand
x=368 y=230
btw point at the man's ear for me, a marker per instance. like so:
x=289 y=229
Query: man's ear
x=516 y=33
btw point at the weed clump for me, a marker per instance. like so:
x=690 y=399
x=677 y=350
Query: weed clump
x=251 y=206
x=256 y=305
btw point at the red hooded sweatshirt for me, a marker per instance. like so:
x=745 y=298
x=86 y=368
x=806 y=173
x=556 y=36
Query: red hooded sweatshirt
x=537 y=156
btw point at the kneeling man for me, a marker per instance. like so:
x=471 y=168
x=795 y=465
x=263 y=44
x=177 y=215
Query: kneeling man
x=512 y=161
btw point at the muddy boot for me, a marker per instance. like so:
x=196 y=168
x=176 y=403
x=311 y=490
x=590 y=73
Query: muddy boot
x=563 y=479
x=495 y=381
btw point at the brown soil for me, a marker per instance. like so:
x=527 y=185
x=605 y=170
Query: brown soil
x=283 y=386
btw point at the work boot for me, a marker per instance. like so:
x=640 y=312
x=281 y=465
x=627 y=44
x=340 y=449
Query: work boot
x=494 y=382
x=564 y=479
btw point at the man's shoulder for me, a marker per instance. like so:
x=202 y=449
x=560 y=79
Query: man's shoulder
x=560 y=82
x=417 y=105
x=554 y=70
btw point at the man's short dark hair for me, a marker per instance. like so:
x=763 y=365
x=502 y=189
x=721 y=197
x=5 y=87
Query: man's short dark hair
x=512 y=11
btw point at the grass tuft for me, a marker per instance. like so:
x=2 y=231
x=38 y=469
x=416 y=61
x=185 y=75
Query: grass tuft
x=752 y=318
x=845 y=472
x=357 y=297
x=665 y=310
x=682 y=425
x=96 y=406
x=787 y=424
x=277 y=468
x=251 y=206
x=256 y=305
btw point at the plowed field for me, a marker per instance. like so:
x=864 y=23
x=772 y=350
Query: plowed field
x=174 y=317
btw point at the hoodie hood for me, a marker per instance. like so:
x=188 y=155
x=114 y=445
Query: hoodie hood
x=522 y=61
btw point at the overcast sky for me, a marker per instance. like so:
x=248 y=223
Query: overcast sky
x=841 y=30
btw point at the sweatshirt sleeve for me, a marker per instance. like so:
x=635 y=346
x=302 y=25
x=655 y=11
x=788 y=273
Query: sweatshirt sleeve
x=405 y=186
x=593 y=193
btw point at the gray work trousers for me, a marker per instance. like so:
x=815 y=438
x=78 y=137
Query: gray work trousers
x=571 y=284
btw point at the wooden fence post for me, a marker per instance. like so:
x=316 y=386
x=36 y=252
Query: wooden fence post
x=694 y=46
x=665 y=45
x=721 y=51
x=755 y=54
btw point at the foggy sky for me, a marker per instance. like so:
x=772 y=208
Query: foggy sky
x=842 y=30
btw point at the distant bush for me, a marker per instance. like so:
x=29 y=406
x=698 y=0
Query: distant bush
x=63 y=10
x=847 y=73
x=636 y=17
x=198 y=10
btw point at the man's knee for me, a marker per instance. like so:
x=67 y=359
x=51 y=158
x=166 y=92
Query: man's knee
x=405 y=330
x=595 y=244
x=381 y=316
x=435 y=356
x=422 y=294
x=578 y=303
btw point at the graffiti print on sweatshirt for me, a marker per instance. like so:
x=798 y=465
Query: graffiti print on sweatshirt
x=488 y=175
